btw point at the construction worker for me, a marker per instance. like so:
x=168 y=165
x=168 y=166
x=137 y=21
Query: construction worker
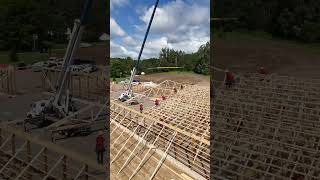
x=175 y=90
x=141 y=107
x=156 y=102
x=262 y=71
x=163 y=97
x=181 y=87
x=229 y=78
x=100 y=147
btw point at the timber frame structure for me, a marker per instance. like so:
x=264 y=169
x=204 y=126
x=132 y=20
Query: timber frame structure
x=90 y=87
x=24 y=156
x=266 y=127
x=8 y=80
x=178 y=128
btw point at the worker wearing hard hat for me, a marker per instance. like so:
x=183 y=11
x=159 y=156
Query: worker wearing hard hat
x=100 y=149
x=229 y=78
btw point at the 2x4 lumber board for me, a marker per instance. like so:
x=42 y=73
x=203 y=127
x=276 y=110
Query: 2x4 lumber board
x=165 y=124
x=160 y=142
x=55 y=148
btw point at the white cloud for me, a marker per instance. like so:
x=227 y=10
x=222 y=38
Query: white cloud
x=117 y=3
x=117 y=50
x=128 y=40
x=116 y=30
x=172 y=16
x=177 y=25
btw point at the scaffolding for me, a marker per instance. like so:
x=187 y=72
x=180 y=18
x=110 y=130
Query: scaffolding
x=266 y=127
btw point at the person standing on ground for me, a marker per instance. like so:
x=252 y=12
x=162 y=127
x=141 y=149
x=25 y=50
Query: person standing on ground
x=175 y=90
x=262 y=71
x=141 y=107
x=163 y=97
x=156 y=102
x=100 y=147
x=229 y=78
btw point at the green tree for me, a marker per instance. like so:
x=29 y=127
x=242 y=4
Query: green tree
x=202 y=63
x=20 y=20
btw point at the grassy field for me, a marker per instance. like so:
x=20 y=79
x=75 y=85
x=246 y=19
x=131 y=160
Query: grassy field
x=28 y=57
x=31 y=57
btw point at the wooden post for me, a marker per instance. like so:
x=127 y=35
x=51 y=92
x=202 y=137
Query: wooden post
x=79 y=86
x=13 y=144
x=29 y=157
x=64 y=168
x=8 y=81
x=86 y=172
x=0 y=136
x=88 y=87
x=45 y=159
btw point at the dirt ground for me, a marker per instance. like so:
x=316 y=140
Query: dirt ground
x=181 y=77
x=28 y=91
x=98 y=54
x=281 y=57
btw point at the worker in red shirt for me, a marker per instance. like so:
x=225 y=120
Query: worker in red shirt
x=141 y=107
x=100 y=149
x=229 y=78
x=262 y=71
x=156 y=102
x=163 y=97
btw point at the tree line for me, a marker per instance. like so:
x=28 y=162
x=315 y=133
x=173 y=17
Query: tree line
x=197 y=62
x=287 y=19
x=49 y=20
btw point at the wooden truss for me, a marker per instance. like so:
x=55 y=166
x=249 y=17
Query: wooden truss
x=266 y=127
x=27 y=157
x=179 y=127
x=8 y=81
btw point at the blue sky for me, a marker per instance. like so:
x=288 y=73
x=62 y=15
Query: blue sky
x=178 y=24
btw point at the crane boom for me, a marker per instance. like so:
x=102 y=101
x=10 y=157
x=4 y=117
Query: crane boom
x=135 y=69
x=73 y=45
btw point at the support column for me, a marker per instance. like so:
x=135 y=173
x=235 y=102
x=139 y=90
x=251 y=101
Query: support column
x=45 y=160
x=86 y=173
x=0 y=136
x=13 y=144
x=64 y=168
x=29 y=157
